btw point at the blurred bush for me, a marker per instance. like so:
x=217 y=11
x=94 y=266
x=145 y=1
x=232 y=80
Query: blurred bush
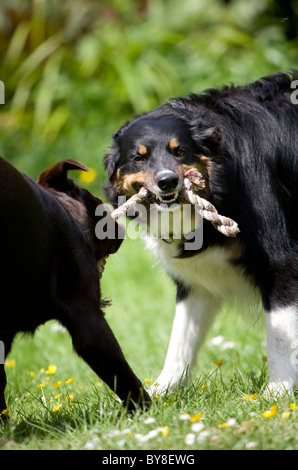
x=75 y=70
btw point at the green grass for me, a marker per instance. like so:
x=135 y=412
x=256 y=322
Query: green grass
x=72 y=77
x=141 y=316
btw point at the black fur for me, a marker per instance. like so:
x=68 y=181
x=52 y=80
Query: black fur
x=250 y=136
x=49 y=254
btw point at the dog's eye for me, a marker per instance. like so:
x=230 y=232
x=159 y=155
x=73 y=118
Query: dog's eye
x=179 y=152
x=138 y=158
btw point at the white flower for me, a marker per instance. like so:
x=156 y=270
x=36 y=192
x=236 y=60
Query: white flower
x=228 y=345
x=126 y=431
x=231 y=422
x=190 y=439
x=146 y=437
x=202 y=436
x=184 y=417
x=251 y=444
x=114 y=432
x=140 y=437
x=152 y=434
x=197 y=427
x=90 y=445
x=217 y=340
x=149 y=420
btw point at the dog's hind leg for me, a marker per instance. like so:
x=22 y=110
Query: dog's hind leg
x=193 y=317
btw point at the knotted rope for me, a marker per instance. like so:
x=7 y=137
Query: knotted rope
x=193 y=181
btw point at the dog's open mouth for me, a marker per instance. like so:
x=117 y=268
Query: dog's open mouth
x=166 y=199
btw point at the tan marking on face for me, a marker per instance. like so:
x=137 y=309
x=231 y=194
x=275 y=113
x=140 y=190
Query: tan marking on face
x=142 y=149
x=174 y=144
x=128 y=182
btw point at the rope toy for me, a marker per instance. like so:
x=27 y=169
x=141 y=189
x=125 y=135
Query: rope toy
x=193 y=181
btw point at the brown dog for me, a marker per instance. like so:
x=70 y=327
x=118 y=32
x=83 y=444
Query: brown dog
x=49 y=255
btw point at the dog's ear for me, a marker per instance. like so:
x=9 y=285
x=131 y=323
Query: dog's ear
x=209 y=139
x=111 y=160
x=56 y=175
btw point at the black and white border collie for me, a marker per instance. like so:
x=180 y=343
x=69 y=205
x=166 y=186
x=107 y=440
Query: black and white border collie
x=244 y=141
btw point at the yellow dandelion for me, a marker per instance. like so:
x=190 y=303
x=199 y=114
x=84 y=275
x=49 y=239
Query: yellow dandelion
x=165 y=431
x=148 y=381
x=88 y=176
x=156 y=395
x=202 y=386
x=270 y=413
x=69 y=397
x=56 y=408
x=196 y=417
x=42 y=370
x=293 y=406
x=51 y=369
x=42 y=385
x=254 y=396
x=27 y=394
x=11 y=363
x=218 y=363
x=69 y=381
x=4 y=412
x=285 y=414
x=57 y=384
x=57 y=396
x=32 y=374
x=229 y=423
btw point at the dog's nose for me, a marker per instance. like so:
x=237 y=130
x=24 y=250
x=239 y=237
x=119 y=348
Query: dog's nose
x=167 y=180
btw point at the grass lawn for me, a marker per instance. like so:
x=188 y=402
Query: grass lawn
x=68 y=407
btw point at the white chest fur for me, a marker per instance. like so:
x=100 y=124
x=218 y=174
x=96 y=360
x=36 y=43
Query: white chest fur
x=210 y=270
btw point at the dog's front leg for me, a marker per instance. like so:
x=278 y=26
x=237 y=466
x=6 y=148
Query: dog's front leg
x=193 y=317
x=282 y=350
x=95 y=342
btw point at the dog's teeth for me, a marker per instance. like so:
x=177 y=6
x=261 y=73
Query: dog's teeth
x=166 y=198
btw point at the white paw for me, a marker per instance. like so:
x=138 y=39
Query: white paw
x=278 y=389
x=165 y=384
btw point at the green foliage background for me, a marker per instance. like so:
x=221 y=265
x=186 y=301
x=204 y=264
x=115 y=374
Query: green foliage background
x=75 y=70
